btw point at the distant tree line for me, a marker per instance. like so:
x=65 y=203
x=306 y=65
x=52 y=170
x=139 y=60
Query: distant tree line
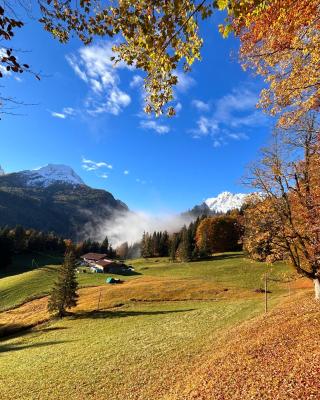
x=93 y=246
x=201 y=238
x=20 y=240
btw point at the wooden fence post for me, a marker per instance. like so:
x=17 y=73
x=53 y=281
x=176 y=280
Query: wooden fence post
x=266 y=292
x=99 y=299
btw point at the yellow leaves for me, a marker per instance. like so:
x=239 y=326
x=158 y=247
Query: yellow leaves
x=282 y=44
x=222 y=4
x=225 y=30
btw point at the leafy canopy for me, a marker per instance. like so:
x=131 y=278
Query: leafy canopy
x=155 y=36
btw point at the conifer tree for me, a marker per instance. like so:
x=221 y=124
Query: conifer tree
x=104 y=248
x=64 y=293
x=174 y=244
x=185 y=250
x=164 y=244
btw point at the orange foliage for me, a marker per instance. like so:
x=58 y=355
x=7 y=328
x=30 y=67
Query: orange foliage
x=282 y=43
x=289 y=178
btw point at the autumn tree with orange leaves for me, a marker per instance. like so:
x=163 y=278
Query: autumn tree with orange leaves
x=218 y=234
x=279 y=40
x=281 y=43
x=288 y=178
x=260 y=240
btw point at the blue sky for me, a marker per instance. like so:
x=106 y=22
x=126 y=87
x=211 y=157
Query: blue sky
x=88 y=115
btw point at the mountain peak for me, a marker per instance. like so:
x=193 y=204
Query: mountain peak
x=226 y=201
x=52 y=173
x=1 y=171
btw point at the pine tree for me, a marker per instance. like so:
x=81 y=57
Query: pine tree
x=104 y=248
x=185 y=249
x=64 y=293
x=164 y=244
x=174 y=244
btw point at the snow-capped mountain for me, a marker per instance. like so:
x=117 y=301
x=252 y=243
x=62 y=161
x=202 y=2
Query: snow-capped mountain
x=225 y=201
x=55 y=199
x=1 y=171
x=50 y=174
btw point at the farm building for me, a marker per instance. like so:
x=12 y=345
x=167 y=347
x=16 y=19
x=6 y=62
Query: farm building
x=99 y=263
x=93 y=257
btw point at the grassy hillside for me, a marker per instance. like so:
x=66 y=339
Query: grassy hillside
x=124 y=353
x=148 y=337
x=260 y=360
x=17 y=289
x=229 y=271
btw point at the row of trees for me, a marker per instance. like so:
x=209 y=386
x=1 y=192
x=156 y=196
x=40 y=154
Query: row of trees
x=19 y=240
x=93 y=246
x=201 y=238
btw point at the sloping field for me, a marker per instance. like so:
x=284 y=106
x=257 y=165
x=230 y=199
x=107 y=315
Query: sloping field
x=16 y=289
x=138 y=351
x=171 y=351
x=276 y=356
x=162 y=335
x=145 y=289
x=230 y=271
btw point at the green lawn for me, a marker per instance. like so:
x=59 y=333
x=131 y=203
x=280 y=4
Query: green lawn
x=140 y=350
x=17 y=289
x=230 y=270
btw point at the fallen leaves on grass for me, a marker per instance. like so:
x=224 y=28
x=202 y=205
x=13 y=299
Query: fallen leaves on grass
x=275 y=356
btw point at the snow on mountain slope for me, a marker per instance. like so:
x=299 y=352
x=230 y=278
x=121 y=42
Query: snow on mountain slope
x=52 y=173
x=1 y=171
x=225 y=201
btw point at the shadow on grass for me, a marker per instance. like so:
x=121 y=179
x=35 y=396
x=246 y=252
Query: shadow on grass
x=218 y=257
x=14 y=330
x=104 y=314
x=4 y=348
x=28 y=262
x=227 y=256
x=129 y=273
x=52 y=329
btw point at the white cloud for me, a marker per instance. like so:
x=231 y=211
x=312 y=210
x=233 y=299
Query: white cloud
x=90 y=165
x=153 y=125
x=104 y=176
x=93 y=65
x=200 y=105
x=238 y=136
x=232 y=113
x=142 y=181
x=136 y=82
x=66 y=112
x=185 y=81
x=58 y=115
x=129 y=226
x=126 y=172
x=178 y=107
x=69 y=111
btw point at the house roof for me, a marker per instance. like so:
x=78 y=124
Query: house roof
x=104 y=263
x=93 y=256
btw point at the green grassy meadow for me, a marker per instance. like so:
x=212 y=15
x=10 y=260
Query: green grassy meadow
x=229 y=270
x=146 y=346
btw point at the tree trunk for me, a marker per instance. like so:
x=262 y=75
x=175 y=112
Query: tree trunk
x=316 y=282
